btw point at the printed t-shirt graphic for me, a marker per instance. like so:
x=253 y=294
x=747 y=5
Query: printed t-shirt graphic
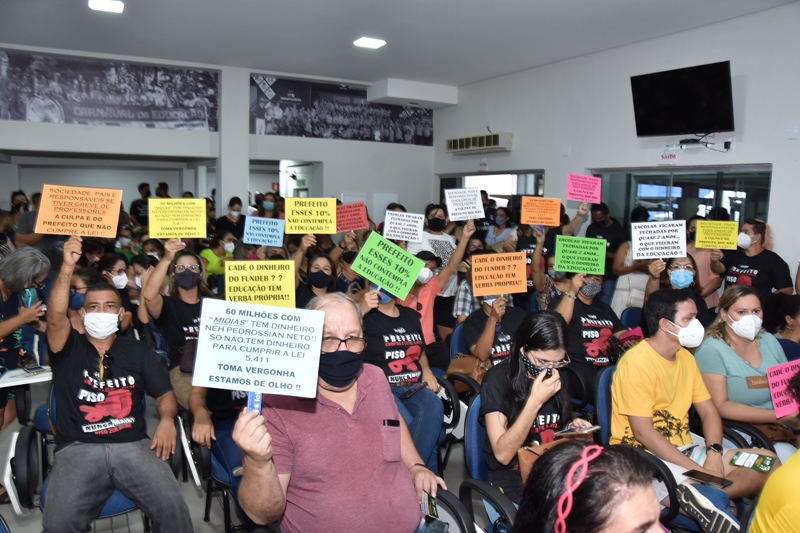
x=106 y=404
x=527 y=245
x=596 y=335
x=395 y=344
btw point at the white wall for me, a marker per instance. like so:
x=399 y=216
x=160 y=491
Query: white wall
x=586 y=103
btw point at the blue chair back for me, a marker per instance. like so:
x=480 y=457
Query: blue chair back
x=631 y=317
x=790 y=348
x=457 y=342
x=474 y=437
x=603 y=404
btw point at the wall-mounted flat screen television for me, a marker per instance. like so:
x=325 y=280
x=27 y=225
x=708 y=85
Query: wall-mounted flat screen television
x=694 y=100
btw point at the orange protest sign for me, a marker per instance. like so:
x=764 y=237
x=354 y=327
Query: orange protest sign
x=498 y=274
x=350 y=217
x=71 y=210
x=541 y=211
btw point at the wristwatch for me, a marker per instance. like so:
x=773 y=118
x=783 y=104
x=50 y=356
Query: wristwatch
x=714 y=448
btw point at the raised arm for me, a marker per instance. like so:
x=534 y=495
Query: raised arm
x=575 y=223
x=655 y=269
x=58 y=325
x=482 y=349
x=716 y=262
x=458 y=254
x=566 y=306
x=537 y=276
x=307 y=242
x=152 y=291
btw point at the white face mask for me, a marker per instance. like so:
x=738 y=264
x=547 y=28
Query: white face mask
x=235 y=214
x=692 y=335
x=120 y=281
x=744 y=240
x=123 y=242
x=229 y=246
x=746 y=327
x=425 y=275
x=137 y=280
x=153 y=254
x=100 y=325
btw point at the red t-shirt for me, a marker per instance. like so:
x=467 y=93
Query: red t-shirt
x=346 y=470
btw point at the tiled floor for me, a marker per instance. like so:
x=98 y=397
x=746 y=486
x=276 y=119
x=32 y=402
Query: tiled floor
x=132 y=522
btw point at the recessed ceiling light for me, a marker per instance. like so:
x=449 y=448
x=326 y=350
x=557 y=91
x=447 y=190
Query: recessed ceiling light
x=369 y=42
x=112 y=6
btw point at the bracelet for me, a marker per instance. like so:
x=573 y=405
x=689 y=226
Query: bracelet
x=417 y=464
x=566 y=293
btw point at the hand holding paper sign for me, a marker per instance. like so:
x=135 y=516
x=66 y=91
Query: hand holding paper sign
x=583 y=209
x=715 y=255
x=577 y=282
x=656 y=267
x=251 y=436
x=499 y=308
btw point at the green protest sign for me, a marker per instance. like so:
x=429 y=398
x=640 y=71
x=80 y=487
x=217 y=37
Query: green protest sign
x=580 y=254
x=387 y=265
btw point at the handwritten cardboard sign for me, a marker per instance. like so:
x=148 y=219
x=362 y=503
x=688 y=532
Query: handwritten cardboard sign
x=464 y=204
x=70 y=210
x=720 y=234
x=177 y=218
x=498 y=274
x=350 y=217
x=310 y=215
x=387 y=265
x=262 y=282
x=541 y=211
x=779 y=377
x=250 y=347
x=580 y=254
x=401 y=226
x=650 y=240
x=583 y=188
x=263 y=231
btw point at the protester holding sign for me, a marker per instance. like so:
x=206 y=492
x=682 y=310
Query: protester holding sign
x=593 y=326
x=734 y=359
x=632 y=280
x=99 y=383
x=396 y=345
x=321 y=273
x=548 y=285
x=753 y=264
x=371 y=468
x=501 y=230
x=677 y=273
x=709 y=280
x=605 y=227
x=442 y=245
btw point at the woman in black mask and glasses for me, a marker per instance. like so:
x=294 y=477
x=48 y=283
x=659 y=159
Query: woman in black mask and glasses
x=177 y=314
x=525 y=401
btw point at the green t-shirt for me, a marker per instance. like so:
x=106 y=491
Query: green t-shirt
x=214 y=262
x=716 y=357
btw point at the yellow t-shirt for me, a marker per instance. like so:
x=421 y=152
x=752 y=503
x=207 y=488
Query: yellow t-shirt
x=778 y=509
x=647 y=385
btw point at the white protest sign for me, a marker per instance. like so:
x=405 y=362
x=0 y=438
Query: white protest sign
x=259 y=348
x=263 y=231
x=651 y=240
x=401 y=226
x=464 y=204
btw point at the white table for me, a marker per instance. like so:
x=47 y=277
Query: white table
x=18 y=377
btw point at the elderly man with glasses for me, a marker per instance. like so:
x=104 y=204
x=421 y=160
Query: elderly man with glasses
x=343 y=461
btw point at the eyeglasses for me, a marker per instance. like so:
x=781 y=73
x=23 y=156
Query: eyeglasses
x=353 y=344
x=474 y=247
x=182 y=268
x=673 y=267
x=117 y=272
x=552 y=364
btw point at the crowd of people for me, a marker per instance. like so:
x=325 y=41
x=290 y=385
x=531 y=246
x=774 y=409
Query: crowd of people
x=369 y=441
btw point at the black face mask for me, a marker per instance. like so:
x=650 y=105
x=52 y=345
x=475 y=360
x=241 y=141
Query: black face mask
x=275 y=256
x=147 y=193
x=320 y=279
x=339 y=369
x=349 y=257
x=187 y=280
x=691 y=235
x=436 y=224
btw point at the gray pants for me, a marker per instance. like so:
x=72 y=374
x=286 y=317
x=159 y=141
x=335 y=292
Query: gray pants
x=85 y=475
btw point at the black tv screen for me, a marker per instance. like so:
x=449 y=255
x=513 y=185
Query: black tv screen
x=694 y=100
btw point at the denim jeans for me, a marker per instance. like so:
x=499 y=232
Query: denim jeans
x=84 y=476
x=423 y=413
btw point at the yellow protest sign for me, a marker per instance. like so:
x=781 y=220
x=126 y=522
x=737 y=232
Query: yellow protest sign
x=177 y=218
x=717 y=234
x=310 y=215
x=70 y=210
x=260 y=282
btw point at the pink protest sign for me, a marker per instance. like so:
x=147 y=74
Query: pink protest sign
x=350 y=217
x=779 y=377
x=583 y=188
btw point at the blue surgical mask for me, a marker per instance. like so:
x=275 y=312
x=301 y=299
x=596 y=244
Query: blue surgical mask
x=268 y=206
x=500 y=220
x=384 y=297
x=75 y=299
x=681 y=279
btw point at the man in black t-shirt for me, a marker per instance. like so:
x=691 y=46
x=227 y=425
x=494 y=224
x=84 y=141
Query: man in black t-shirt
x=605 y=227
x=139 y=208
x=99 y=383
x=489 y=330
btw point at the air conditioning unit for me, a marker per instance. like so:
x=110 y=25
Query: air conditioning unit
x=480 y=144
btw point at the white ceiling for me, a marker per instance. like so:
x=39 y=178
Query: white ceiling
x=450 y=42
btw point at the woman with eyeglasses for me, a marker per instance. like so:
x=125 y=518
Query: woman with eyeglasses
x=178 y=314
x=114 y=271
x=733 y=360
x=395 y=344
x=675 y=274
x=525 y=401
x=219 y=251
